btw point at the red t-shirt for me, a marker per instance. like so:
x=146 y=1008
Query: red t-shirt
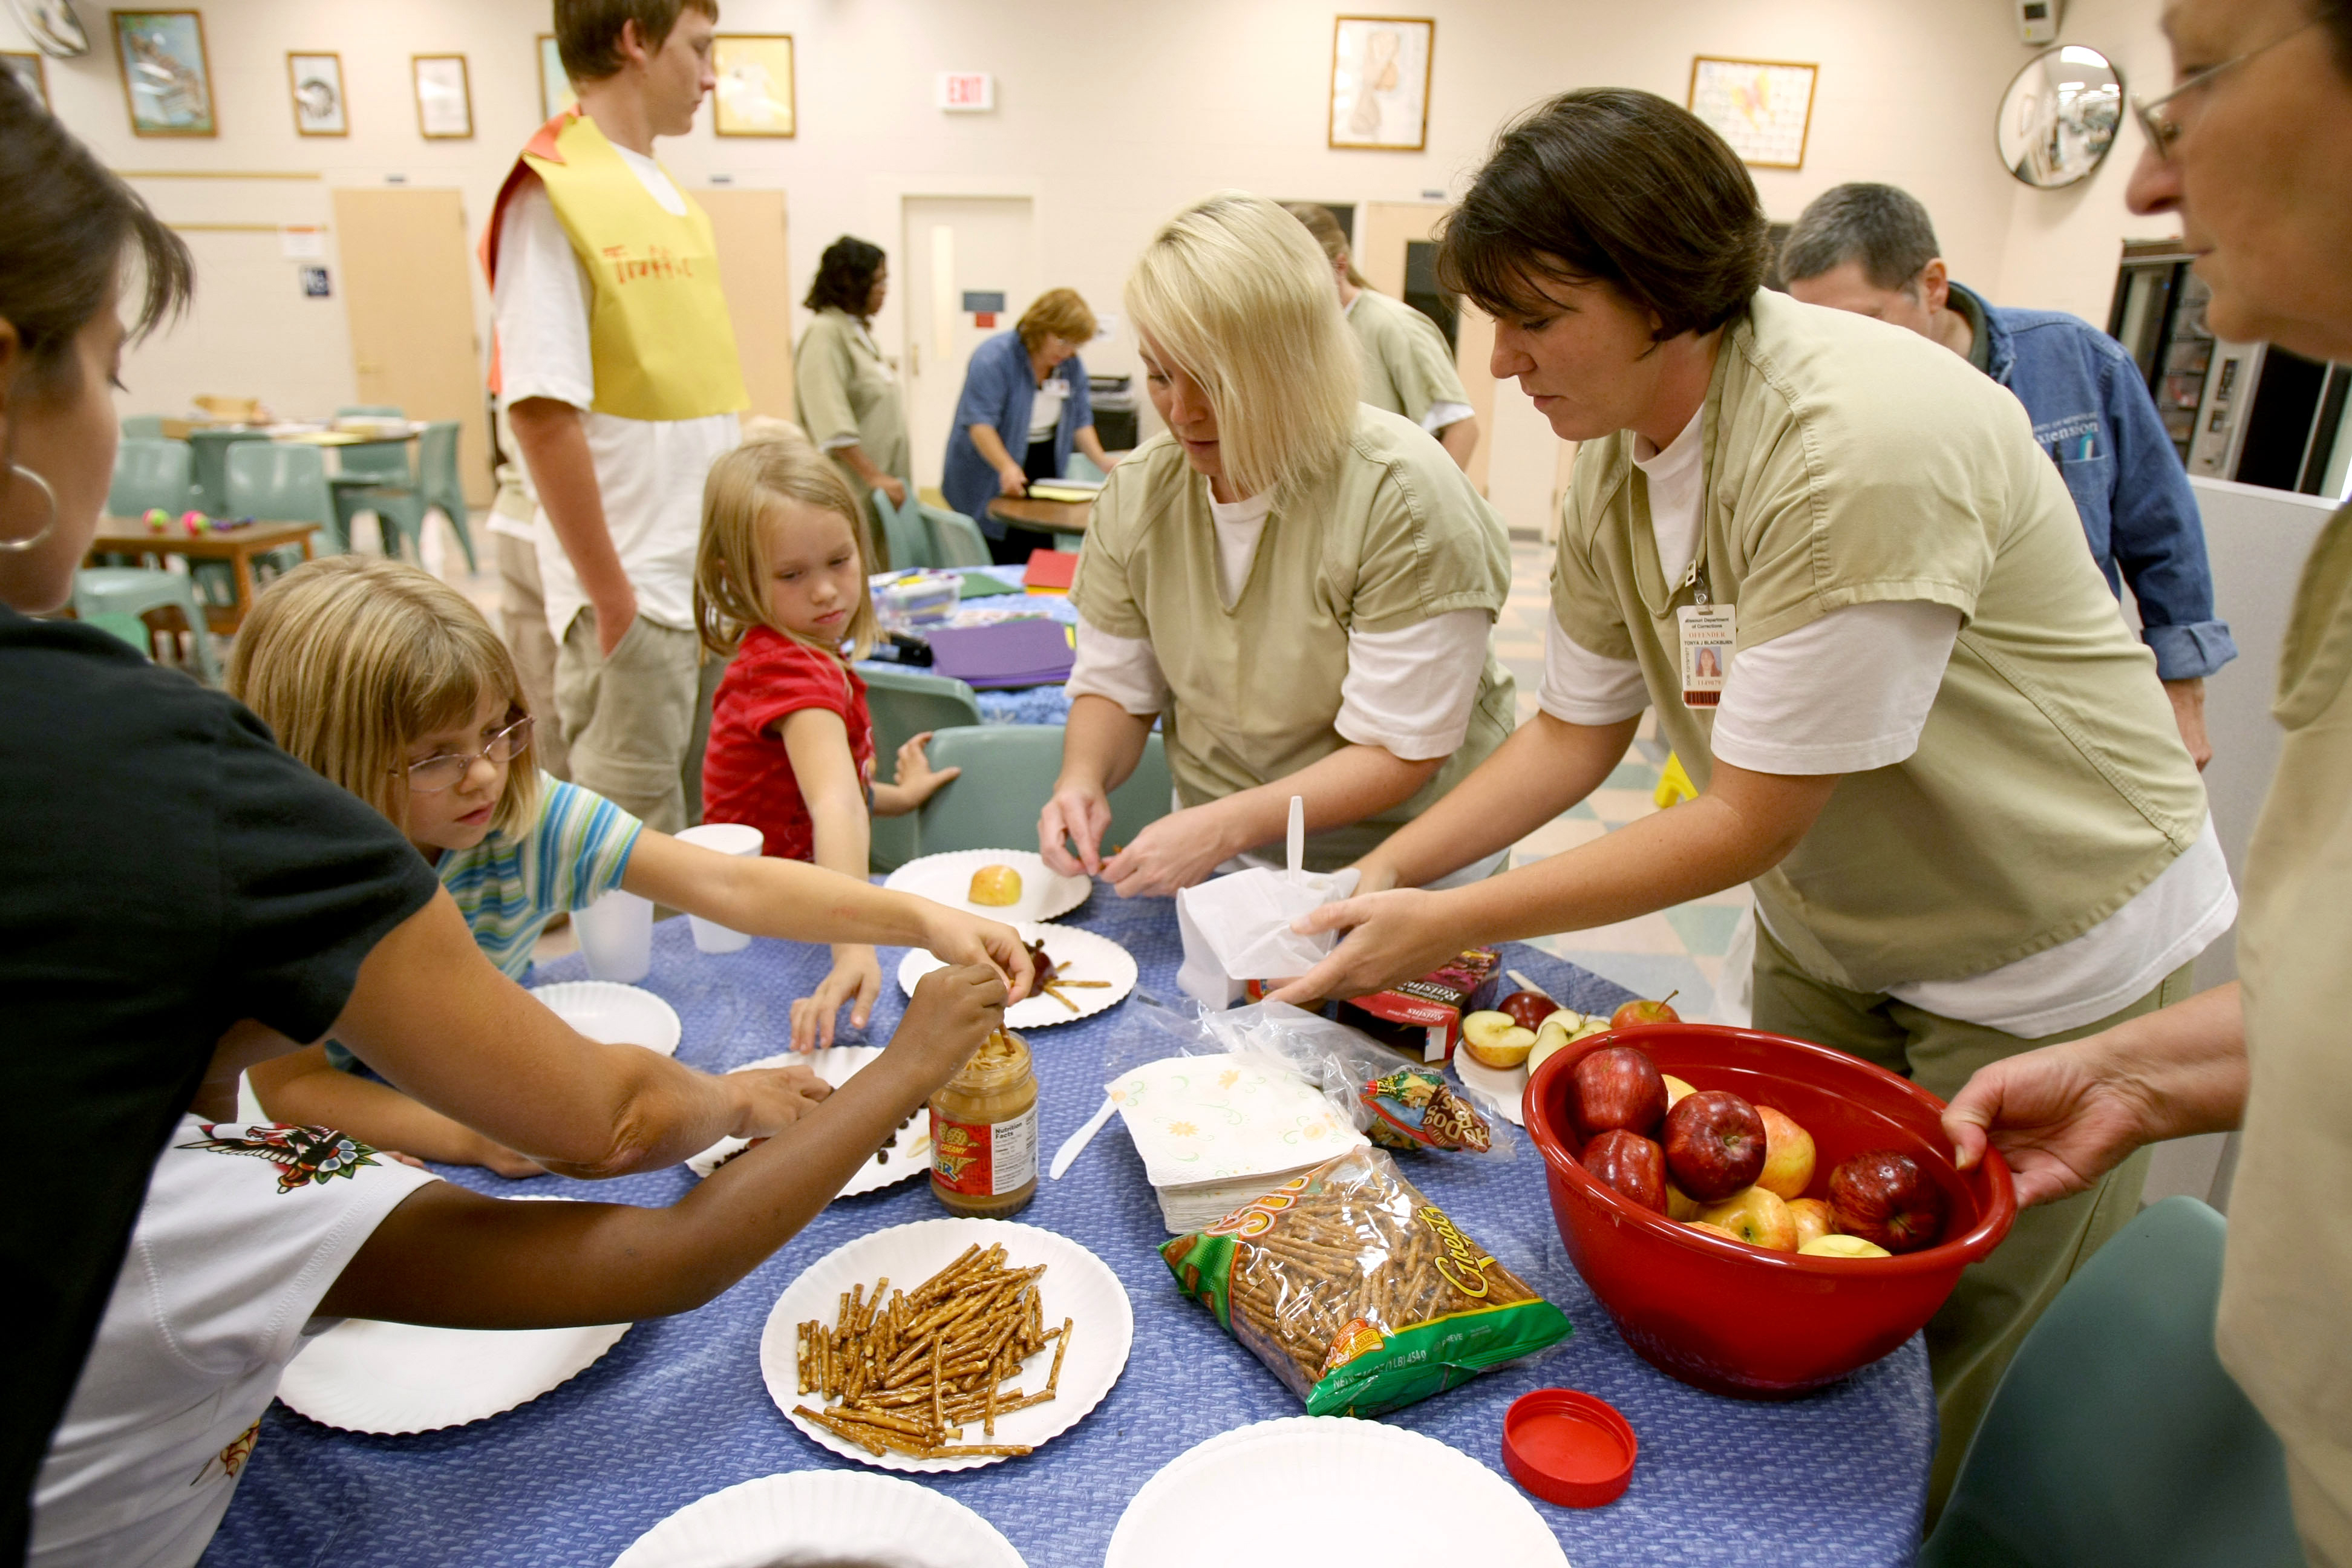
x=747 y=775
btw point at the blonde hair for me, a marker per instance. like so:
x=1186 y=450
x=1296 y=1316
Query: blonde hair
x=1324 y=229
x=1233 y=291
x=1056 y=313
x=731 y=567
x=349 y=660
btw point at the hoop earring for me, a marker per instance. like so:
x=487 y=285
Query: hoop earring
x=18 y=546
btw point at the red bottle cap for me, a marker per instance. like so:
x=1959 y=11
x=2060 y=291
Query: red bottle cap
x=1568 y=1447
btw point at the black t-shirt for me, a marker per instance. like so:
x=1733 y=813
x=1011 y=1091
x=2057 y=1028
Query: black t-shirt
x=165 y=871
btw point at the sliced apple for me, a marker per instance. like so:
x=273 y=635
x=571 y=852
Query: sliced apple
x=1494 y=1040
x=1550 y=1034
x=1843 y=1247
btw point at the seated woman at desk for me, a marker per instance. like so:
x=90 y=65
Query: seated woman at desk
x=1029 y=387
x=1299 y=585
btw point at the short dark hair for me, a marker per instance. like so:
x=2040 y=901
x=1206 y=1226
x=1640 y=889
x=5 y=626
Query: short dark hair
x=66 y=227
x=845 y=276
x=588 y=32
x=1884 y=228
x=1616 y=185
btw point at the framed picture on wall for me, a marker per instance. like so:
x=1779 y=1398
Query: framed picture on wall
x=555 y=94
x=1763 y=108
x=317 y=83
x=165 y=79
x=27 y=70
x=445 y=100
x=755 y=84
x=1380 y=82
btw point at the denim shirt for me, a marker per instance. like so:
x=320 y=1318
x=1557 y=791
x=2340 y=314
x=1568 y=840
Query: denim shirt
x=999 y=386
x=2092 y=413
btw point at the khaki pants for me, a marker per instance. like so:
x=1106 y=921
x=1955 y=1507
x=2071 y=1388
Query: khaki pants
x=522 y=621
x=1972 y=1338
x=629 y=719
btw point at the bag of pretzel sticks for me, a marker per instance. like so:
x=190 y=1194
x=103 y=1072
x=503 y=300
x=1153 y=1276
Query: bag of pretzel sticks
x=1358 y=1292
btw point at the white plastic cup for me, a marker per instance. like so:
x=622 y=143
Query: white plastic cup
x=724 y=838
x=616 y=936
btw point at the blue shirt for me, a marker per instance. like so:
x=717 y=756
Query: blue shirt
x=998 y=387
x=2092 y=413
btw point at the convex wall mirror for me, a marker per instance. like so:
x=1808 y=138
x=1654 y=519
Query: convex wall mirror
x=2060 y=117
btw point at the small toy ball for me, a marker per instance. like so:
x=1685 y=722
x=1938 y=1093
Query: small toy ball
x=195 y=523
x=158 y=520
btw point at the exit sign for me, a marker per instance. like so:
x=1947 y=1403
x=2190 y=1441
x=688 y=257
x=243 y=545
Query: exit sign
x=968 y=92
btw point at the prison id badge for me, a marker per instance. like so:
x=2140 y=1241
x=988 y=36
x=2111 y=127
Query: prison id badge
x=1707 y=633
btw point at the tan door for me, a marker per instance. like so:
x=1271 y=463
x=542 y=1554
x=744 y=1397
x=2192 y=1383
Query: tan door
x=756 y=273
x=1383 y=230
x=408 y=291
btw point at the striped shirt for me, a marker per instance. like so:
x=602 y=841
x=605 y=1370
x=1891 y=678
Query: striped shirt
x=510 y=885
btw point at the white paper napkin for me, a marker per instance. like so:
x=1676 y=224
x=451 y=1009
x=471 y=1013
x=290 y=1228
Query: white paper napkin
x=1236 y=929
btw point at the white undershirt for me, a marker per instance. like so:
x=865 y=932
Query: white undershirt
x=649 y=473
x=1851 y=692
x=1045 y=409
x=1409 y=691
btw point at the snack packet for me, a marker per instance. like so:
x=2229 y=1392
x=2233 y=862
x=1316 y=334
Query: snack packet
x=1412 y=1109
x=1422 y=1017
x=1358 y=1292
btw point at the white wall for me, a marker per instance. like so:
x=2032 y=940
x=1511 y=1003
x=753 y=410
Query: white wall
x=1109 y=117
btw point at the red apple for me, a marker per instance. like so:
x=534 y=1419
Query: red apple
x=1884 y=1197
x=1632 y=1166
x=1638 y=1011
x=1715 y=1144
x=1527 y=1009
x=1616 y=1087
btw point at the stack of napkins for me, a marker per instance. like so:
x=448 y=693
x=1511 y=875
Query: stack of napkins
x=1217 y=1131
x=1032 y=652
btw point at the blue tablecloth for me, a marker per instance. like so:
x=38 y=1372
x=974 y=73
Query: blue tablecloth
x=678 y=1409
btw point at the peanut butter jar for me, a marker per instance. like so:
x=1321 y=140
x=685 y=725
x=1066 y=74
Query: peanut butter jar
x=984 y=1131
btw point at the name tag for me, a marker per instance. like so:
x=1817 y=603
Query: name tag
x=1708 y=632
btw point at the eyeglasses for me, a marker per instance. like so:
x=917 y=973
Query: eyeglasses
x=449 y=769
x=2164 y=130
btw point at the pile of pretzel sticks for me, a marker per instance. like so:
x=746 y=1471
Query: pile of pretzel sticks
x=909 y=1372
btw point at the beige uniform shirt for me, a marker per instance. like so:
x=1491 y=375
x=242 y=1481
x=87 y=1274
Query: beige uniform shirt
x=843 y=388
x=1846 y=463
x=2285 y=1328
x=1407 y=368
x=1390 y=536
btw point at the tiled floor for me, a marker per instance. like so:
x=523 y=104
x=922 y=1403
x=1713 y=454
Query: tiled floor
x=1680 y=949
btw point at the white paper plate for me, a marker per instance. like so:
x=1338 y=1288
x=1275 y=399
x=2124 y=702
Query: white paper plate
x=822 y=1516
x=1506 y=1090
x=394 y=1379
x=947 y=879
x=615 y=1013
x=910 y=1156
x=1075 y=1286
x=1295 y=1489
x=1080 y=954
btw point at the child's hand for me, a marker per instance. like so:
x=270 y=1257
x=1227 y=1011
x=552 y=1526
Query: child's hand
x=917 y=777
x=955 y=937
x=856 y=976
x=772 y=1098
x=952 y=1012
x=498 y=1157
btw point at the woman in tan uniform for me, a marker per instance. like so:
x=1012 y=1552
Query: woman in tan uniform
x=1301 y=588
x=2253 y=150
x=845 y=394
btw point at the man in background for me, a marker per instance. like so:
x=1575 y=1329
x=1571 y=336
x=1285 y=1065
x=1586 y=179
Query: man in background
x=617 y=371
x=1872 y=249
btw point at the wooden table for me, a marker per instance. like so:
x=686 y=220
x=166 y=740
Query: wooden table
x=237 y=546
x=1051 y=516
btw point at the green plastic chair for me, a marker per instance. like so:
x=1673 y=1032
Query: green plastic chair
x=149 y=427
x=209 y=451
x=903 y=704
x=1081 y=467
x=128 y=628
x=904 y=533
x=102 y=593
x=278 y=481
x=437 y=488
x=1008 y=775
x=2115 y=1437
x=956 y=539
x=149 y=473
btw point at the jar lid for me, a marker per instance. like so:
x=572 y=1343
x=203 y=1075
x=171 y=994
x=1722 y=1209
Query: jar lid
x=1568 y=1447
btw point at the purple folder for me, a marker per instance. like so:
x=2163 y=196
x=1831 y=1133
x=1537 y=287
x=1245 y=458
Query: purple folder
x=1009 y=653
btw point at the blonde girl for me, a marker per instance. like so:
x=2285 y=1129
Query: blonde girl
x=388 y=682
x=780 y=588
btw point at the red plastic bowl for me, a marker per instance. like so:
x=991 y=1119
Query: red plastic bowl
x=1734 y=1319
